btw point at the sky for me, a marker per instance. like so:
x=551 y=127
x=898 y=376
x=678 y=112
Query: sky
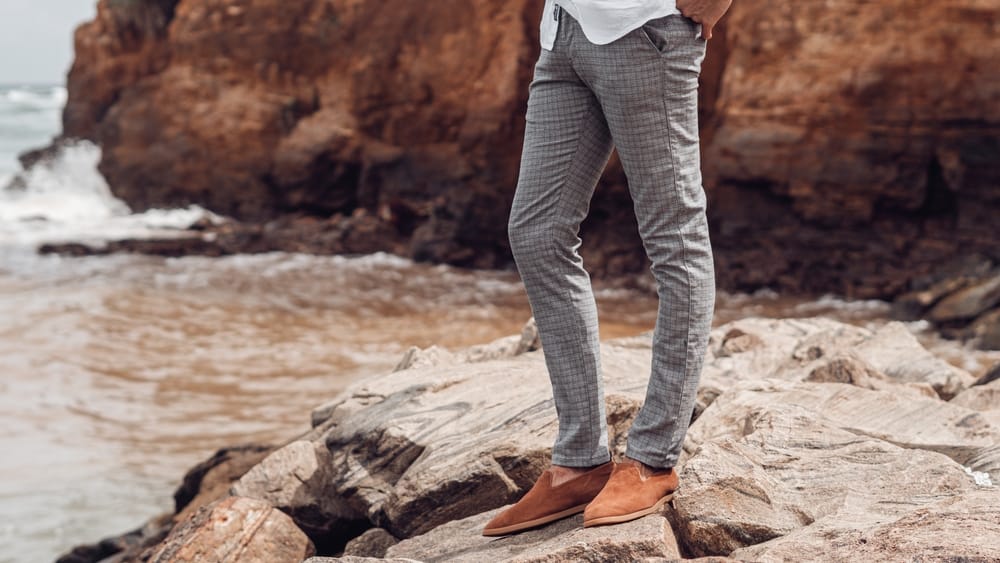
x=36 y=38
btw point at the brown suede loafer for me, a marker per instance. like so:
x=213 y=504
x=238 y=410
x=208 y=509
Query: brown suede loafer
x=545 y=503
x=632 y=492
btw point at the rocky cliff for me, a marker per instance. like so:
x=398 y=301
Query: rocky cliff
x=850 y=146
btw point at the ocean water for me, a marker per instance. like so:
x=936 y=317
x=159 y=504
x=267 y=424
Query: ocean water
x=118 y=373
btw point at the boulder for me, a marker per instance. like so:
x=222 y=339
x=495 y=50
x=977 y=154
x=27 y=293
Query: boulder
x=908 y=421
x=894 y=351
x=563 y=541
x=298 y=480
x=235 y=529
x=980 y=397
x=424 y=446
x=211 y=479
x=783 y=467
x=853 y=371
x=913 y=305
x=985 y=330
x=962 y=527
x=968 y=302
x=373 y=543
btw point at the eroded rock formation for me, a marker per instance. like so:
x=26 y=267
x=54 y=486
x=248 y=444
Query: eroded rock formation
x=842 y=153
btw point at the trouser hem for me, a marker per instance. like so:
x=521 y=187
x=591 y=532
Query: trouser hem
x=654 y=461
x=567 y=461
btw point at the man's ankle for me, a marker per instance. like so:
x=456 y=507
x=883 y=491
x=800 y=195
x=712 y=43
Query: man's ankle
x=564 y=473
x=647 y=470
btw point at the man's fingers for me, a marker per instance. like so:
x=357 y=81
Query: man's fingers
x=706 y=30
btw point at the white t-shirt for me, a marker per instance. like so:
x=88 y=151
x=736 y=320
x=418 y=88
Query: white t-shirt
x=603 y=21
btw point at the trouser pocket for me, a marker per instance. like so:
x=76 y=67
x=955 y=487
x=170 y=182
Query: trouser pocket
x=664 y=34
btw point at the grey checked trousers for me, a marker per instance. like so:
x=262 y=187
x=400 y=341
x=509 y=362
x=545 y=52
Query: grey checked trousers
x=638 y=94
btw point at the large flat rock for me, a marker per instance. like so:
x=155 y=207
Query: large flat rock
x=420 y=447
x=963 y=527
x=563 y=541
x=906 y=420
x=785 y=467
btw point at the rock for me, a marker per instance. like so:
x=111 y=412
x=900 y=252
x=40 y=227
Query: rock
x=235 y=529
x=298 y=480
x=987 y=461
x=427 y=357
x=894 y=351
x=418 y=448
x=563 y=541
x=963 y=527
x=735 y=341
x=782 y=468
x=373 y=543
x=363 y=234
x=211 y=479
x=851 y=370
x=969 y=302
x=505 y=347
x=991 y=375
x=332 y=107
x=818 y=349
x=986 y=331
x=908 y=421
x=980 y=397
x=914 y=305
x=530 y=341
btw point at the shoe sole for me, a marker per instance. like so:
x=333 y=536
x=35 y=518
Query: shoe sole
x=630 y=516
x=534 y=523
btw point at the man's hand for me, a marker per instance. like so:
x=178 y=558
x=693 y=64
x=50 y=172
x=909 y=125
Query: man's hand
x=706 y=12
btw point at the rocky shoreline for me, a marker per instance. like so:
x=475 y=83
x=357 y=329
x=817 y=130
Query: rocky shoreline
x=812 y=440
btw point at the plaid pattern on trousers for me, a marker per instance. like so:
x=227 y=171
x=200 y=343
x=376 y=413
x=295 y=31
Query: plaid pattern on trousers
x=638 y=94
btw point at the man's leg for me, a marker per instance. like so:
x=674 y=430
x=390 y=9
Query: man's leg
x=648 y=86
x=566 y=147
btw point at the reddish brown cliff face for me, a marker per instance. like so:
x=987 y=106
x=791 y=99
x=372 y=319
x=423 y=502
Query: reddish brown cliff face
x=849 y=145
x=857 y=143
